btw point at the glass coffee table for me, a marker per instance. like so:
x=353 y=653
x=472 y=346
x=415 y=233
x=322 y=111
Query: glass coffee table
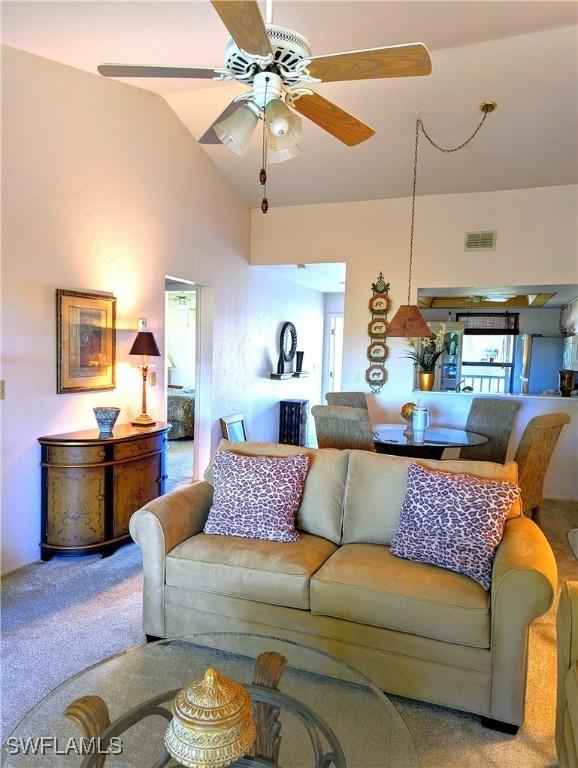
x=330 y=715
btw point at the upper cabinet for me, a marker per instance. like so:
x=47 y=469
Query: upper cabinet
x=569 y=318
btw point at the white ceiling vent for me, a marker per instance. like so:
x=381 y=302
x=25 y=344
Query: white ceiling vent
x=480 y=241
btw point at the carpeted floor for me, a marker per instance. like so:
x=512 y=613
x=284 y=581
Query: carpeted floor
x=59 y=617
x=179 y=463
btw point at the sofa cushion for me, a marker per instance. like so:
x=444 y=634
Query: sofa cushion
x=321 y=509
x=376 y=485
x=454 y=521
x=256 y=496
x=265 y=571
x=367 y=584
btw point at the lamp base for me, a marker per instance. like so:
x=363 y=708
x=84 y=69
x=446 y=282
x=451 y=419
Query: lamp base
x=143 y=421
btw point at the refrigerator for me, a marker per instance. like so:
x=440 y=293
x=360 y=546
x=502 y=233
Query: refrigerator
x=538 y=363
x=570 y=354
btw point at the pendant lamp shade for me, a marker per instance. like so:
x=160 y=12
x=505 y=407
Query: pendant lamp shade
x=408 y=322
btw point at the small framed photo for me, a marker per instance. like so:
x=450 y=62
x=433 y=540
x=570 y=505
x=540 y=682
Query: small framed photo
x=377 y=351
x=377 y=328
x=85 y=341
x=234 y=428
x=379 y=304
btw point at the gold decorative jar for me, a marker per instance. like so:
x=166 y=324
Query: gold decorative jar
x=212 y=723
x=426 y=381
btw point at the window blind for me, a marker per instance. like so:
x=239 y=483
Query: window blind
x=490 y=323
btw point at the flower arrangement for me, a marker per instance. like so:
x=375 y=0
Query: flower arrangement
x=432 y=348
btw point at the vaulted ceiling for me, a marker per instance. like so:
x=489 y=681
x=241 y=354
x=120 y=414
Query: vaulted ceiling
x=521 y=54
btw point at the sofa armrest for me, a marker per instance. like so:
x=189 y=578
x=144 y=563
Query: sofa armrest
x=524 y=581
x=567 y=629
x=157 y=528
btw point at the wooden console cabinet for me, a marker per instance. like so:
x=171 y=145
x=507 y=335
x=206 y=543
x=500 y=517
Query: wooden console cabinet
x=91 y=485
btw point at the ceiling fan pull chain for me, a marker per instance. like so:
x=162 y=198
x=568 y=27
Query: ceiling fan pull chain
x=263 y=171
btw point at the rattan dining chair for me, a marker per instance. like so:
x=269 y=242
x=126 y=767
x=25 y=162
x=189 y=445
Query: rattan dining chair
x=533 y=456
x=493 y=418
x=341 y=427
x=347 y=399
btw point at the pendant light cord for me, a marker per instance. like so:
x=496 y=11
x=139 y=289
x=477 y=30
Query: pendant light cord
x=419 y=126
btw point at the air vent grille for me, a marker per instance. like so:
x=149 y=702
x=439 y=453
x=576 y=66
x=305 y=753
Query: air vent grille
x=480 y=241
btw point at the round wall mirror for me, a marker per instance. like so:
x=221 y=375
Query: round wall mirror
x=288 y=342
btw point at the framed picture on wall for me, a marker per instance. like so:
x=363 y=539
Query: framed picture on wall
x=85 y=341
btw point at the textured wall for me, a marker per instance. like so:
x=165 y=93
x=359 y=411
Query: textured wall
x=104 y=189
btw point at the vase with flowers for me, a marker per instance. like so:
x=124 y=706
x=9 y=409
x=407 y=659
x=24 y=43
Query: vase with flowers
x=426 y=356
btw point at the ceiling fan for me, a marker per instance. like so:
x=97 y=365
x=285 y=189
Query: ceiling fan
x=276 y=62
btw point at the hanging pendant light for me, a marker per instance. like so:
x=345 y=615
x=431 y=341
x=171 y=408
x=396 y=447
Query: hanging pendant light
x=408 y=321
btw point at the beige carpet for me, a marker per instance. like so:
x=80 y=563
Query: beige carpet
x=60 y=617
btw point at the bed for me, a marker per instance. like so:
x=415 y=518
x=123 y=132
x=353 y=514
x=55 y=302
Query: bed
x=181 y=413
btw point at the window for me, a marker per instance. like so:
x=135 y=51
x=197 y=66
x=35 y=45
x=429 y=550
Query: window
x=488 y=350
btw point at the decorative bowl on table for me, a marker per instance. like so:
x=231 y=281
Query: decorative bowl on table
x=106 y=419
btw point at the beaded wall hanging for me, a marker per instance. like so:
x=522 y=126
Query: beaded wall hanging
x=377 y=351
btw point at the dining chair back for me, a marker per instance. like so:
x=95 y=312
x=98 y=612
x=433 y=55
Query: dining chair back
x=533 y=456
x=347 y=399
x=493 y=418
x=341 y=427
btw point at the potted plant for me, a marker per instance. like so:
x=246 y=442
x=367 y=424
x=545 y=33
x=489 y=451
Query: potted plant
x=425 y=359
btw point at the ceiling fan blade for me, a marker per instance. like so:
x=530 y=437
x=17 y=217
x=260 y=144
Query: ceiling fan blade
x=245 y=24
x=209 y=136
x=130 y=70
x=333 y=119
x=393 y=61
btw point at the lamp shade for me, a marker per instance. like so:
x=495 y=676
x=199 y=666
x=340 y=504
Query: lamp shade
x=236 y=130
x=145 y=344
x=281 y=155
x=408 y=322
x=284 y=127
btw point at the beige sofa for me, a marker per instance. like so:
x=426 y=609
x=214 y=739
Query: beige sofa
x=415 y=629
x=567 y=706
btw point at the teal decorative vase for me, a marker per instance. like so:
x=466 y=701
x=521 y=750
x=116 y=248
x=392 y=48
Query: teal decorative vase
x=106 y=419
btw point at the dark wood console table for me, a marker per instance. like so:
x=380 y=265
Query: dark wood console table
x=91 y=485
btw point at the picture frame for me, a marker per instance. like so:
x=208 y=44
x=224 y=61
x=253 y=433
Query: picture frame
x=379 y=303
x=85 y=341
x=377 y=351
x=233 y=428
x=377 y=328
x=376 y=376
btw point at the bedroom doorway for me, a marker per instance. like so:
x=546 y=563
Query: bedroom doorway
x=181 y=360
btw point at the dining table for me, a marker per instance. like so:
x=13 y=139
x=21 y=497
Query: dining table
x=396 y=439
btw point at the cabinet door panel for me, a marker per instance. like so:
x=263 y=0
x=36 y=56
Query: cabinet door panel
x=135 y=483
x=75 y=499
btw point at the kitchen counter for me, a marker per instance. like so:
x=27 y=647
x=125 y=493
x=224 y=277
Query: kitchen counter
x=501 y=394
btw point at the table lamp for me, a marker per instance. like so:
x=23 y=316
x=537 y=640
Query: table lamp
x=144 y=345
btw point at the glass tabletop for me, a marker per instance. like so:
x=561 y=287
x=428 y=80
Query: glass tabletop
x=434 y=436
x=365 y=729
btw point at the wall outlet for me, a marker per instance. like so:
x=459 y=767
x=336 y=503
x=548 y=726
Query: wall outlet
x=153 y=378
x=357 y=376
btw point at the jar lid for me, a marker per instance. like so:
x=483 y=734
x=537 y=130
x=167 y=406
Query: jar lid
x=214 y=698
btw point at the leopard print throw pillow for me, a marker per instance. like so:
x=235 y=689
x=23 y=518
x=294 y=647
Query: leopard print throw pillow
x=257 y=497
x=453 y=521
